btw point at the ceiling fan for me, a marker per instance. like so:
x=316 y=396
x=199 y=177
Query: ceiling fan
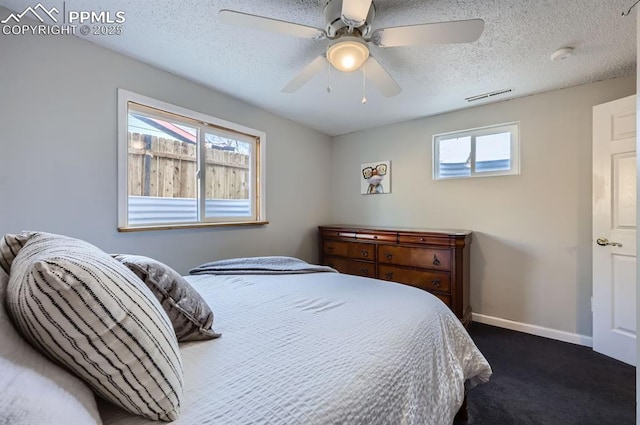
x=348 y=27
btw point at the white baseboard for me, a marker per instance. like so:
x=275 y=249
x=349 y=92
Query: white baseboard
x=585 y=340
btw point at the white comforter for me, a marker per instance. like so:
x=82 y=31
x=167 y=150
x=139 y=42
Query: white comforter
x=323 y=348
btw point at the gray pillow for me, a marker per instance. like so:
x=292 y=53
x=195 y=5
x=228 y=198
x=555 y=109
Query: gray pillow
x=88 y=312
x=189 y=313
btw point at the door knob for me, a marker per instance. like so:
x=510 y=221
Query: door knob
x=605 y=242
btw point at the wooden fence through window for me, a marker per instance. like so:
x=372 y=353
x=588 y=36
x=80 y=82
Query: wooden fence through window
x=166 y=168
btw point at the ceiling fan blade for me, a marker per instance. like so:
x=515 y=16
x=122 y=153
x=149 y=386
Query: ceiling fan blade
x=375 y=73
x=315 y=67
x=232 y=17
x=354 y=12
x=424 y=34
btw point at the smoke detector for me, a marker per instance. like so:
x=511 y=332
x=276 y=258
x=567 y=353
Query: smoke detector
x=562 y=53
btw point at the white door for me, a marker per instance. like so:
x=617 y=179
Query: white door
x=614 y=229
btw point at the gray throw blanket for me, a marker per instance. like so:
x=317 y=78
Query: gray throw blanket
x=260 y=265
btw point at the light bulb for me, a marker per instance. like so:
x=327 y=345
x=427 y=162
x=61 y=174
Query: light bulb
x=348 y=62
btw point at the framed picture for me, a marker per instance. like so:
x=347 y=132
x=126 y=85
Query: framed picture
x=375 y=177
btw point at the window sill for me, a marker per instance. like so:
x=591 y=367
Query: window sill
x=190 y=226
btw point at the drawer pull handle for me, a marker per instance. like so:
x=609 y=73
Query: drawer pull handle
x=365 y=272
x=388 y=275
x=437 y=283
x=422 y=239
x=436 y=262
x=375 y=237
x=388 y=256
x=364 y=253
x=330 y=248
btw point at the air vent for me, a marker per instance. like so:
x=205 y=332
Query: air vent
x=487 y=95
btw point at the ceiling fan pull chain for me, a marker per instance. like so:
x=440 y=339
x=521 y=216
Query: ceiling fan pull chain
x=329 y=79
x=364 y=84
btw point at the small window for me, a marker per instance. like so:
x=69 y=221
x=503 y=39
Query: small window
x=180 y=168
x=486 y=151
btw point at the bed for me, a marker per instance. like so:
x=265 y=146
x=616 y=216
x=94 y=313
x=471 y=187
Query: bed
x=320 y=347
x=323 y=348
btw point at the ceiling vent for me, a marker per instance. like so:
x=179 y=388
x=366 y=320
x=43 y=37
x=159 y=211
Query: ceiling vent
x=487 y=95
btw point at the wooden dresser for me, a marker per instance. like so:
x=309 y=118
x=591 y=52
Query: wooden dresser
x=434 y=260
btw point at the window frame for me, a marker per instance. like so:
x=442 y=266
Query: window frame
x=257 y=191
x=512 y=128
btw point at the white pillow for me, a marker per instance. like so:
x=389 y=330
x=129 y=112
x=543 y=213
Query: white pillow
x=92 y=314
x=33 y=390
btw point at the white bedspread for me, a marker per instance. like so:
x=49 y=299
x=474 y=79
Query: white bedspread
x=323 y=348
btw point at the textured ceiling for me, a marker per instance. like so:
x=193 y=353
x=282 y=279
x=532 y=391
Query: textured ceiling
x=185 y=37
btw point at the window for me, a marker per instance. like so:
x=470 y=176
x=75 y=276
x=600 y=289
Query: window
x=486 y=151
x=180 y=168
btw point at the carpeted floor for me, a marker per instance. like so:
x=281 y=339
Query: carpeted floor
x=546 y=382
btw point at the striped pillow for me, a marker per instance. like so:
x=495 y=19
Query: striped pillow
x=33 y=390
x=9 y=247
x=91 y=314
x=189 y=313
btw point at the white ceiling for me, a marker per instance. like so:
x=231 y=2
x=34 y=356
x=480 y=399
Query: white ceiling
x=186 y=38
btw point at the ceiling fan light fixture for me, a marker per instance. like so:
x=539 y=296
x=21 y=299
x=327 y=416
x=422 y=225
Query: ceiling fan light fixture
x=347 y=53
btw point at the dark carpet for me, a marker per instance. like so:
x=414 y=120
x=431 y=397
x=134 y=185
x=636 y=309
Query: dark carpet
x=546 y=382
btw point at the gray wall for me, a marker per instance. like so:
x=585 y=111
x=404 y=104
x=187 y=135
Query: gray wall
x=637 y=221
x=531 y=251
x=58 y=155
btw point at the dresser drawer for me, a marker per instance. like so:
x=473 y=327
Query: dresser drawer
x=362 y=251
x=378 y=236
x=362 y=268
x=444 y=298
x=338 y=263
x=415 y=257
x=335 y=248
x=338 y=233
x=423 y=279
x=419 y=239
